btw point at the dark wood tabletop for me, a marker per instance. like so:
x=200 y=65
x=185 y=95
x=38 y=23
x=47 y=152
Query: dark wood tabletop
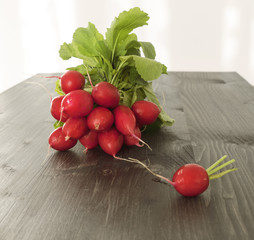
x=72 y=195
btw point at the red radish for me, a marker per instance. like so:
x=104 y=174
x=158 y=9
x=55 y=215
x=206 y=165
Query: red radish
x=111 y=141
x=191 y=180
x=145 y=112
x=106 y=94
x=129 y=140
x=100 y=119
x=89 y=140
x=72 y=80
x=75 y=128
x=77 y=103
x=57 y=140
x=125 y=122
x=55 y=109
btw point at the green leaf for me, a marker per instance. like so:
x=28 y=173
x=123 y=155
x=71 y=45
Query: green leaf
x=85 y=40
x=65 y=51
x=102 y=49
x=147 y=68
x=148 y=50
x=127 y=44
x=120 y=28
x=58 y=124
x=58 y=88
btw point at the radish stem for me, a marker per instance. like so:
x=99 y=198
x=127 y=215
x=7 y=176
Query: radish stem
x=216 y=163
x=220 y=167
x=218 y=175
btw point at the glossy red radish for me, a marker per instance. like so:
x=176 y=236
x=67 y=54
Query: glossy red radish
x=75 y=128
x=129 y=140
x=77 y=103
x=55 y=109
x=190 y=180
x=125 y=122
x=100 y=119
x=111 y=141
x=72 y=80
x=145 y=112
x=106 y=94
x=57 y=140
x=89 y=140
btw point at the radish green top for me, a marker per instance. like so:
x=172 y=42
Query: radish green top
x=116 y=58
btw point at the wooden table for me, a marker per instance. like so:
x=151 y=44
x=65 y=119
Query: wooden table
x=76 y=196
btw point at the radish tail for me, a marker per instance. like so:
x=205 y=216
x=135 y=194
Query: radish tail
x=140 y=145
x=42 y=86
x=67 y=138
x=89 y=77
x=133 y=160
x=133 y=135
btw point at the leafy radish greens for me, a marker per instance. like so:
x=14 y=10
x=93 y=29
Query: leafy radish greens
x=117 y=59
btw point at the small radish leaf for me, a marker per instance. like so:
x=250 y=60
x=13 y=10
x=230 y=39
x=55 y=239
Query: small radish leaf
x=148 y=50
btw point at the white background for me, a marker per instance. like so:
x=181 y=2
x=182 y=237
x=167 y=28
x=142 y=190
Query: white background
x=188 y=35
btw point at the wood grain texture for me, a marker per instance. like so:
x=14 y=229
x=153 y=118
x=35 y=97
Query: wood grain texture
x=78 y=196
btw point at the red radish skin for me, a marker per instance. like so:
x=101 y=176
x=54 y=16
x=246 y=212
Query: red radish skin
x=111 y=141
x=89 y=140
x=75 y=128
x=100 y=119
x=125 y=122
x=72 y=80
x=130 y=140
x=191 y=180
x=77 y=103
x=106 y=94
x=55 y=109
x=145 y=112
x=57 y=140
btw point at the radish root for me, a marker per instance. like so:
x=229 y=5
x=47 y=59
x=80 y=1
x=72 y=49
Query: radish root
x=140 y=140
x=42 y=86
x=90 y=80
x=133 y=160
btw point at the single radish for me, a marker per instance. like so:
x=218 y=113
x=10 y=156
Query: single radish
x=77 y=103
x=89 y=140
x=57 y=140
x=129 y=140
x=100 y=119
x=55 y=109
x=111 y=141
x=75 y=128
x=106 y=94
x=145 y=112
x=72 y=80
x=125 y=122
x=192 y=179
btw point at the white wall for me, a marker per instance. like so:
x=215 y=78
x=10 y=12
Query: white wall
x=197 y=35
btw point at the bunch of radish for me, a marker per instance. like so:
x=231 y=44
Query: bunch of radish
x=97 y=118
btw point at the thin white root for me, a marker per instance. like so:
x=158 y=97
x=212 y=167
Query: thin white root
x=42 y=86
